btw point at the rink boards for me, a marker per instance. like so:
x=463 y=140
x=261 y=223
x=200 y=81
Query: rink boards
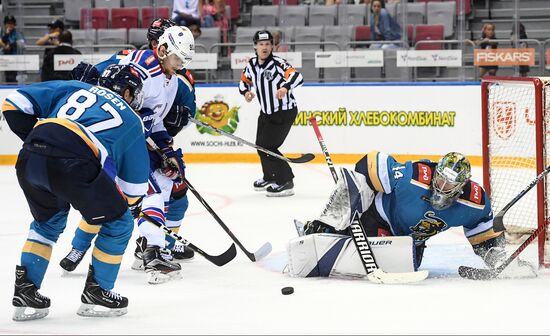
x=409 y=120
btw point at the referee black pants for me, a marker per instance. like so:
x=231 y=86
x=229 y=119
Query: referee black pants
x=271 y=133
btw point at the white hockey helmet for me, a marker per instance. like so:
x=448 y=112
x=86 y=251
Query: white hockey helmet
x=178 y=40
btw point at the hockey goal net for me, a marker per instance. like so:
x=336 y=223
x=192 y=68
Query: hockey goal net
x=515 y=132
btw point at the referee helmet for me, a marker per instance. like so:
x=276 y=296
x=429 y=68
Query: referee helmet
x=262 y=35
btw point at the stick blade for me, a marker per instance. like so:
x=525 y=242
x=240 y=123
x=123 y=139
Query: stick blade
x=218 y=260
x=472 y=273
x=381 y=277
x=262 y=251
x=302 y=159
x=498 y=223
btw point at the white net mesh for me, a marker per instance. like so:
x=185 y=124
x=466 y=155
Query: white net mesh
x=512 y=152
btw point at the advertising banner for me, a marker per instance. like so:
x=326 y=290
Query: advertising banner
x=429 y=58
x=355 y=119
x=352 y=58
x=68 y=62
x=239 y=60
x=19 y=63
x=505 y=56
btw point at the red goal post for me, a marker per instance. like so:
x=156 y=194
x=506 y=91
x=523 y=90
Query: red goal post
x=515 y=131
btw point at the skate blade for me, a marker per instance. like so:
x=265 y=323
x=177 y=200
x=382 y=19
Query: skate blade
x=260 y=189
x=20 y=315
x=137 y=265
x=283 y=193
x=89 y=310
x=157 y=277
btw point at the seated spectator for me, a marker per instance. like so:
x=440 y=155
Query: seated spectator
x=195 y=30
x=65 y=47
x=187 y=13
x=523 y=69
x=12 y=43
x=382 y=26
x=487 y=34
x=277 y=46
x=52 y=38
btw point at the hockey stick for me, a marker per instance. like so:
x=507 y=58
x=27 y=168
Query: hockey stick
x=498 y=222
x=473 y=273
x=374 y=273
x=259 y=254
x=487 y=274
x=302 y=159
x=330 y=164
x=218 y=260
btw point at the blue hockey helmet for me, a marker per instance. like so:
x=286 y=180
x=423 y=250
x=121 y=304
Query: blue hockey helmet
x=118 y=78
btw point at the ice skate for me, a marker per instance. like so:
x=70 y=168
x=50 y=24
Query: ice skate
x=98 y=302
x=158 y=267
x=280 y=190
x=71 y=261
x=26 y=297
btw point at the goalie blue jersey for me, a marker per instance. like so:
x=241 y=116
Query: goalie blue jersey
x=105 y=122
x=402 y=194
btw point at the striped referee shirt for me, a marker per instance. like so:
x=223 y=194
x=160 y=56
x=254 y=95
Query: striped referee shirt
x=267 y=78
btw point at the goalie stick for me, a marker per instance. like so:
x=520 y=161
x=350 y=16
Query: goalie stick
x=321 y=141
x=259 y=254
x=374 y=273
x=498 y=223
x=301 y=159
x=218 y=260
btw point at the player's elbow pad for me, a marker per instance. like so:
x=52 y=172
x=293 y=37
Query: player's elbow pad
x=20 y=123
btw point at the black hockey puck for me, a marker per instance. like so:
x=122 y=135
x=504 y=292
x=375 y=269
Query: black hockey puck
x=287 y=290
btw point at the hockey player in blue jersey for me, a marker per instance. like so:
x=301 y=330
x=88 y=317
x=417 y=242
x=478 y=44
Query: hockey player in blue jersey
x=84 y=146
x=161 y=88
x=418 y=199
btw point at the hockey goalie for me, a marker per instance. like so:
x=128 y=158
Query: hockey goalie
x=400 y=206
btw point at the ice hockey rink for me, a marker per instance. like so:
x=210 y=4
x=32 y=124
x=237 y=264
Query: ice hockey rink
x=243 y=297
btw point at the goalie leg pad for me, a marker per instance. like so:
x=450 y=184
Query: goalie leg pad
x=337 y=211
x=333 y=255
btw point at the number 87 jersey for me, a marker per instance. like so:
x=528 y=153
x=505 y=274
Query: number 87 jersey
x=103 y=119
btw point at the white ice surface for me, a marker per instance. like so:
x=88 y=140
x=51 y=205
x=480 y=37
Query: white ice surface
x=245 y=298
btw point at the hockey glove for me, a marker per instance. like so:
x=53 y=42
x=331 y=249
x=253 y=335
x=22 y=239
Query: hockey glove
x=86 y=73
x=176 y=119
x=174 y=169
x=494 y=257
x=135 y=208
x=147 y=117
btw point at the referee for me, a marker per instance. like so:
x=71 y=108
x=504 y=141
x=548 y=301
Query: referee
x=273 y=79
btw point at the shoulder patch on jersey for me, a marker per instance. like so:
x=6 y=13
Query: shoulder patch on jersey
x=423 y=172
x=150 y=60
x=125 y=52
x=473 y=193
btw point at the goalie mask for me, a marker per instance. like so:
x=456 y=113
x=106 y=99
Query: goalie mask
x=178 y=41
x=451 y=174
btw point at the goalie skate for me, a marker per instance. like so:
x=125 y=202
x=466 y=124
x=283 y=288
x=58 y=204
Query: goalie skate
x=98 y=302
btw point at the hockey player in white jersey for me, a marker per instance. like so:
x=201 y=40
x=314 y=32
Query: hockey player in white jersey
x=162 y=89
x=414 y=200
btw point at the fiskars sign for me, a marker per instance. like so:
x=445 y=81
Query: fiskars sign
x=506 y=56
